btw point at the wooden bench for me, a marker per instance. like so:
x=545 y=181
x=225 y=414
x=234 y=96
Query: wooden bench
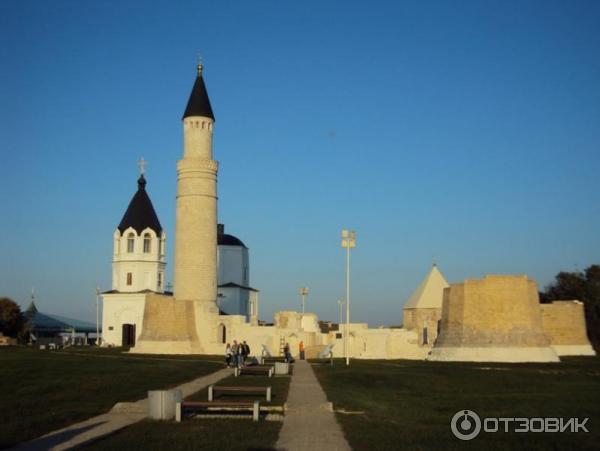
x=266 y=370
x=213 y=390
x=266 y=360
x=221 y=406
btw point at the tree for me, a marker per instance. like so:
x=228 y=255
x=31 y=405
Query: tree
x=583 y=286
x=12 y=321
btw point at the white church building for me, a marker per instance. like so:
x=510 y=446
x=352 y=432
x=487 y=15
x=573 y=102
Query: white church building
x=139 y=268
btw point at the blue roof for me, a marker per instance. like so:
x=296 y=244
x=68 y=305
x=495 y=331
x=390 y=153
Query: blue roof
x=54 y=323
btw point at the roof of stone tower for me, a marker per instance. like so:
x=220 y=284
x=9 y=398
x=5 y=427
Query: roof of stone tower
x=430 y=292
x=140 y=213
x=198 y=103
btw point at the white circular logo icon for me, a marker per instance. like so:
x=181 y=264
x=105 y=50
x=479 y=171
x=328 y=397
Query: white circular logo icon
x=465 y=425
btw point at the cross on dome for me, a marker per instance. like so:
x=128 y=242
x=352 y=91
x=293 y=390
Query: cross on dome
x=142 y=165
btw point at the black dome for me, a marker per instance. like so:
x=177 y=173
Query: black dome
x=229 y=240
x=140 y=213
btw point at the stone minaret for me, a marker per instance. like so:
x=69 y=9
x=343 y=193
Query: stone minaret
x=195 y=276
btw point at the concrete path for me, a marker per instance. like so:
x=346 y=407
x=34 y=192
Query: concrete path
x=309 y=423
x=120 y=416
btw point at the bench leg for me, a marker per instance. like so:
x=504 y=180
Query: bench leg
x=210 y=392
x=268 y=394
x=178 y=412
x=256 y=411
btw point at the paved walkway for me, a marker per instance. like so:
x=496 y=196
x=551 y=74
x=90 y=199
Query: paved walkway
x=309 y=423
x=122 y=415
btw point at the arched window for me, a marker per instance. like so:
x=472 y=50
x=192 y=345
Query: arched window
x=130 y=242
x=147 y=242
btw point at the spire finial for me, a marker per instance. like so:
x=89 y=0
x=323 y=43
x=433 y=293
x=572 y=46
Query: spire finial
x=142 y=165
x=199 y=64
x=433 y=261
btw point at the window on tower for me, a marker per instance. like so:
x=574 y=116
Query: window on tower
x=147 y=242
x=130 y=242
x=159 y=280
x=129 y=278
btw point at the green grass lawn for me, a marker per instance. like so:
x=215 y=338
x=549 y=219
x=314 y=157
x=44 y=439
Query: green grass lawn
x=41 y=391
x=193 y=434
x=408 y=404
x=206 y=433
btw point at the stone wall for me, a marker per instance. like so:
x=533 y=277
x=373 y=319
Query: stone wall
x=494 y=311
x=564 y=324
x=169 y=327
x=119 y=309
x=497 y=318
x=419 y=319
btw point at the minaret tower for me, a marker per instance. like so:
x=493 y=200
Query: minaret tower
x=195 y=277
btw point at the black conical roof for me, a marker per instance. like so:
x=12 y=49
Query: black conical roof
x=199 y=104
x=140 y=214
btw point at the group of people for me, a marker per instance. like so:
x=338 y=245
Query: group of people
x=236 y=354
x=288 y=355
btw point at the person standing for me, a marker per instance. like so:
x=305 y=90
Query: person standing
x=301 y=349
x=286 y=353
x=240 y=355
x=234 y=353
x=228 y=355
x=246 y=351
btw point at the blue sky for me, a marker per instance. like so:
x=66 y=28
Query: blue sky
x=468 y=132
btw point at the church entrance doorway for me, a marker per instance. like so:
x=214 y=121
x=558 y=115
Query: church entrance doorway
x=128 y=335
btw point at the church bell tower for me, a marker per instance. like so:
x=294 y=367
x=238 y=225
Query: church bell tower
x=139 y=261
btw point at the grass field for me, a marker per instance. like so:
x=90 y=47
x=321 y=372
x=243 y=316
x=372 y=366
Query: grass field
x=387 y=405
x=194 y=434
x=41 y=391
x=205 y=433
x=408 y=405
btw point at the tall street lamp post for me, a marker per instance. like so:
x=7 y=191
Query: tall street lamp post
x=303 y=292
x=97 y=315
x=340 y=303
x=348 y=242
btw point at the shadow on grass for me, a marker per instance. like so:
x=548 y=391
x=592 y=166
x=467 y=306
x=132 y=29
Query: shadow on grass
x=42 y=391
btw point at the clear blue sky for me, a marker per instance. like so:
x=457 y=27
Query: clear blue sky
x=465 y=131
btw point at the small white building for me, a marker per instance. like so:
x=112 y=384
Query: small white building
x=138 y=268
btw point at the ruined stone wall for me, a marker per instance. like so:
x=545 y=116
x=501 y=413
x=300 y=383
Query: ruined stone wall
x=494 y=311
x=564 y=323
x=168 y=319
x=418 y=319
